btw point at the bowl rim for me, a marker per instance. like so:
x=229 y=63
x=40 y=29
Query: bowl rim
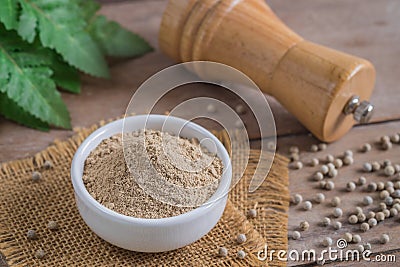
x=81 y=191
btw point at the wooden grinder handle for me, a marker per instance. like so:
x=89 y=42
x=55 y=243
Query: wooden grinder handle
x=313 y=82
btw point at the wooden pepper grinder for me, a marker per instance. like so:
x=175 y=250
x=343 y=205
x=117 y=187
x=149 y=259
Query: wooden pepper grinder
x=325 y=89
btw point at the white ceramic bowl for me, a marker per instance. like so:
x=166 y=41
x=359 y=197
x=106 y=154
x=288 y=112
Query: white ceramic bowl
x=150 y=235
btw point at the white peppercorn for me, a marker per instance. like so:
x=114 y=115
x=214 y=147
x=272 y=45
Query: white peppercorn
x=393 y=212
x=31 y=234
x=36 y=176
x=356 y=239
x=241 y=238
x=397 y=185
x=350 y=186
x=380 y=216
x=395 y=138
x=324 y=169
x=353 y=219
x=53 y=225
x=367 y=167
x=40 y=254
x=386 y=213
x=222 y=252
x=314 y=162
x=338 y=163
x=388 y=201
x=297 y=199
x=364 y=227
x=382 y=206
x=397 y=207
x=389 y=170
x=385 y=138
x=319 y=198
x=389 y=184
x=47 y=164
x=367 y=246
x=326 y=221
x=327 y=242
x=372 y=187
x=330 y=185
x=348 y=153
x=390 y=190
x=396 y=168
x=318 y=176
x=331 y=166
x=384 y=238
x=307 y=205
x=304 y=225
x=337 y=225
x=241 y=254
x=252 y=213
x=348 y=160
x=348 y=237
x=367 y=200
x=296 y=235
x=329 y=158
x=360 y=248
x=333 y=173
x=380 y=186
x=396 y=193
x=376 y=166
x=322 y=184
x=372 y=222
x=336 y=201
x=366 y=147
x=383 y=194
x=314 y=148
x=370 y=214
x=387 y=145
x=359 y=210
x=337 y=212
x=386 y=162
x=361 y=217
x=322 y=146
x=362 y=180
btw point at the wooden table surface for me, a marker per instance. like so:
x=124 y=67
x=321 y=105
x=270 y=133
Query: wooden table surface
x=367 y=28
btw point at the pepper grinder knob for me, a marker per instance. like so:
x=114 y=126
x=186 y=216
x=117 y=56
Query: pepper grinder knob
x=362 y=111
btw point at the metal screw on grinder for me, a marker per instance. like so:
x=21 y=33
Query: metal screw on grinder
x=362 y=111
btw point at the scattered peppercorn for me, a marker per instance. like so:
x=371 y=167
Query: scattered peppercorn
x=327 y=241
x=31 y=234
x=366 y=148
x=241 y=238
x=356 y=239
x=372 y=222
x=337 y=212
x=367 y=200
x=384 y=238
x=304 y=225
x=326 y=221
x=53 y=225
x=337 y=225
x=222 y=252
x=389 y=170
x=364 y=227
x=47 y=164
x=367 y=167
x=353 y=219
x=241 y=254
x=297 y=199
x=319 y=198
x=307 y=205
x=330 y=185
x=36 y=176
x=296 y=235
x=350 y=186
x=40 y=254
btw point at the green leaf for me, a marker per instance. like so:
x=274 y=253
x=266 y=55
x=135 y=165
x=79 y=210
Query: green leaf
x=61 y=27
x=25 y=78
x=88 y=8
x=115 y=40
x=10 y=110
x=66 y=76
x=8 y=13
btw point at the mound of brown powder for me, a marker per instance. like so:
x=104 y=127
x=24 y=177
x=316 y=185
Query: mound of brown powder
x=179 y=161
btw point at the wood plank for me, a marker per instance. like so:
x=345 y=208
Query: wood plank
x=300 y=182
x=100 y=99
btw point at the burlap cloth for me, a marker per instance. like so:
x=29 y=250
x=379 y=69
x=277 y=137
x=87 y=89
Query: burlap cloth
x=26 y=205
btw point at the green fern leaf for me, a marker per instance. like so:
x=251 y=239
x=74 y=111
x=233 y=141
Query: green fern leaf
x=112 y=38
x=115 y=40
x=61 y=27
x=65 y=76
x=8 y=13
x=26 y=80
x=10 y=110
